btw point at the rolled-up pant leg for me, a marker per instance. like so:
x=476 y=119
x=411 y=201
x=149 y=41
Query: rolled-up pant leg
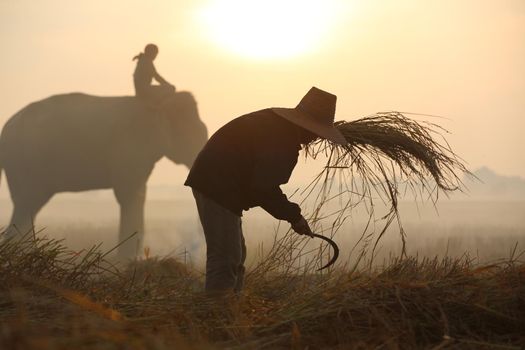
x=226 y=249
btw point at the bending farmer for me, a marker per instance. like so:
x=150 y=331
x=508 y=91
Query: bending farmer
x=242 y=166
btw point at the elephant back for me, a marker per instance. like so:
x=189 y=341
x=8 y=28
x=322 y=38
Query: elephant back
x=76 y=137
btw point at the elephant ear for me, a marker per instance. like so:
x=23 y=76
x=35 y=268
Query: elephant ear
x=185 y=133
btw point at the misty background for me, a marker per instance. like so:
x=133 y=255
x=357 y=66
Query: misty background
x=461 y=60
x=487 y=222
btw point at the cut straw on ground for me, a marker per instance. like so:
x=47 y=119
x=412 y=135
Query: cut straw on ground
x=53 y=301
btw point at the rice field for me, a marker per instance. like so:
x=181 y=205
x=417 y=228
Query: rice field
x=460 y=287
x=412 y=274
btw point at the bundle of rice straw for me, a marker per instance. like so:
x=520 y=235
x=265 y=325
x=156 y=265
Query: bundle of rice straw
x=386 y=152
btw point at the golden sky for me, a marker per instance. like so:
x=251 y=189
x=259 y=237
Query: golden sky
x=462 y=59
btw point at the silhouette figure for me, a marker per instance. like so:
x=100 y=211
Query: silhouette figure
x=144 y=74
x=77 y=142
x=242 y=166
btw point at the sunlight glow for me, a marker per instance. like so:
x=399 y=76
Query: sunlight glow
x=269 y=29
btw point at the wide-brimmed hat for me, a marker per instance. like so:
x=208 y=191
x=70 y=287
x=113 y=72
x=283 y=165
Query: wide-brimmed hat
x=316 y=113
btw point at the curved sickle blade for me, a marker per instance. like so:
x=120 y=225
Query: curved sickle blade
x=334 y=247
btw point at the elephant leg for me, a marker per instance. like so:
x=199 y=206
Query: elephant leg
x=26 y=207
x=131 y=202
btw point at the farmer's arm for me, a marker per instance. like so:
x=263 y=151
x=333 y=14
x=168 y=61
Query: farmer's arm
x=275 y=202
x=272 y=169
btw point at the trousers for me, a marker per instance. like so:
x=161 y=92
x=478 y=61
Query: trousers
x=225 y=246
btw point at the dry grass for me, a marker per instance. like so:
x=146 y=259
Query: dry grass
x=56 y=299
x=388 y=156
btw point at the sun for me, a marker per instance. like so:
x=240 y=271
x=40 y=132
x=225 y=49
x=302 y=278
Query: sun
x=269 y=29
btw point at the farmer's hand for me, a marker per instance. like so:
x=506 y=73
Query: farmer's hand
x=302 y=227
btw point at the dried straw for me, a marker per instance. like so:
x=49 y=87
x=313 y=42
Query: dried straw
x=50 y=300
x=387 y=155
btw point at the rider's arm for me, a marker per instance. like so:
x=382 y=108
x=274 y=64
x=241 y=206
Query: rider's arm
x=158 y=78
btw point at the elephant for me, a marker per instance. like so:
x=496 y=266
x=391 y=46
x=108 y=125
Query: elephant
x=78 y=142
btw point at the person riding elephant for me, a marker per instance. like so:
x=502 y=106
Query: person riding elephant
x=144 y=74
x=78 y=142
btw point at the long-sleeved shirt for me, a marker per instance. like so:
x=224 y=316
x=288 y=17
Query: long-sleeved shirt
x=144 y=74
x=244 y=163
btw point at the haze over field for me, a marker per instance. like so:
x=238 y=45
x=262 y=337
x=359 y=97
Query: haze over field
x=486 y=222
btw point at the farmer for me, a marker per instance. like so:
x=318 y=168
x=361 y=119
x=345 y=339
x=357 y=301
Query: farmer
x=242 y=166
x=145 y=72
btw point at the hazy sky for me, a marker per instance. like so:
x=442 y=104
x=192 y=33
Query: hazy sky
x=462 y=59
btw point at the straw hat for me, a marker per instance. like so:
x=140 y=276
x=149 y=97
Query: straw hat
x=316 y=113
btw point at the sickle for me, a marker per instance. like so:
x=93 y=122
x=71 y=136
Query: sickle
x=334 y=247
